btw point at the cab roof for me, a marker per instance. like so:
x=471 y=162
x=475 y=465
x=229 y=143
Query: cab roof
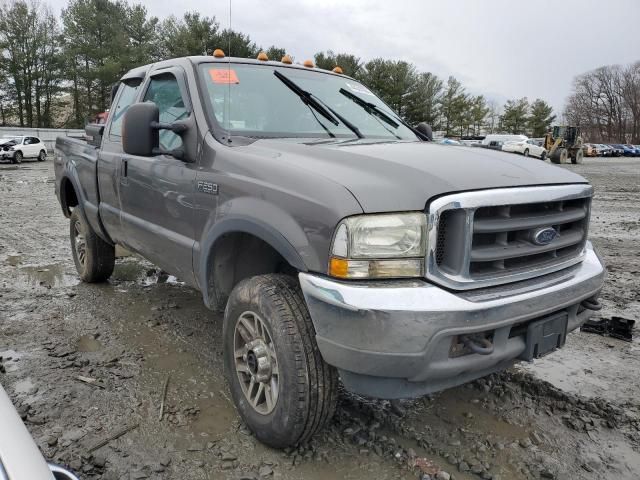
x=141 y=72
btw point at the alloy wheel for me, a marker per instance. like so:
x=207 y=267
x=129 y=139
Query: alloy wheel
x=256 y=362
x=80 y=243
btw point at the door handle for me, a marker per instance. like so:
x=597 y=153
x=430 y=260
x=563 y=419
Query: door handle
x=124 y=171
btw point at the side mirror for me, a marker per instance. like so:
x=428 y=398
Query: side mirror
x=140 y=131
x=138 y=135
x=94 y=132
x=425 y=130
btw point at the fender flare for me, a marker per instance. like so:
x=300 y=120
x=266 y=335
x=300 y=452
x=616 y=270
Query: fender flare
x=70 y=175
x=243 y=224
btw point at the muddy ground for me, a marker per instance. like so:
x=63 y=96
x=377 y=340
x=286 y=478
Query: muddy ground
x=574 y=415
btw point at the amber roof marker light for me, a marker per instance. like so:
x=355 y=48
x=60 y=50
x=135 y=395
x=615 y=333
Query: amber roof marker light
x=287 y=59
x=308 y=63
x=218 y=53
x=262 y=56
x=337 y=70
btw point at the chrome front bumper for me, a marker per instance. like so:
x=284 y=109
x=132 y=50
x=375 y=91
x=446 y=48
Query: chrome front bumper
x=392 y=339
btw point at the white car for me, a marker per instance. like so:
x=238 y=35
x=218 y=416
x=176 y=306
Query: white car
x=19 y=455
x=526 y=148
x=18 y=148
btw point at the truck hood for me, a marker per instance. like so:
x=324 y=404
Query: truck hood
x=397 y=176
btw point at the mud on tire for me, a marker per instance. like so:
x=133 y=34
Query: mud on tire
x=94 y=258
x=307 y=387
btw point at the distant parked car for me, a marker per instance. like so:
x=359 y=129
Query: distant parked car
x=617 y=150
x=18 y=148
x=628 y=150
x=526 y=148
x=604 y=150
x=503 y=138
x=590 y=150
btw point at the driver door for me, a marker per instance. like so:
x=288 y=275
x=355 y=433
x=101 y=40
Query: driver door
x=157 y=192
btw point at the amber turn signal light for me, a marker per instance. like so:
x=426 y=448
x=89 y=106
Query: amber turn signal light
x=338 y=267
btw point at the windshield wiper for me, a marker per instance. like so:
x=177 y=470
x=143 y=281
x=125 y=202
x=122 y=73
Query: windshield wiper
x=311 y=101
x=371 y=108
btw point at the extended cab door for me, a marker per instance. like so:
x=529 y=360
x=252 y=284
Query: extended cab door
x=157 y=192
x=110 y=158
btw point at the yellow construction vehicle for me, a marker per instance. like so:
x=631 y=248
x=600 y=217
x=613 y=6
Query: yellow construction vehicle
x=564 y=143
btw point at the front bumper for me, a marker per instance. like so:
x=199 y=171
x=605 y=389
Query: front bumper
x=8 y=154
x=392 y=339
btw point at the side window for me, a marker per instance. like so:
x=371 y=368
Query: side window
x=27 y=141
x=126 y=98
x=34 y=140
x=164 y=91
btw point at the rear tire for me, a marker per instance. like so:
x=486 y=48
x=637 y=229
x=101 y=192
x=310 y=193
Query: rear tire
x=267 y=329
x=42 y=156
x=94 y=258
x=579 y=156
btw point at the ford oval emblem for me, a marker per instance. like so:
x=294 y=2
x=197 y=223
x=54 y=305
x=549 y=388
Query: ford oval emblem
x=544 y=236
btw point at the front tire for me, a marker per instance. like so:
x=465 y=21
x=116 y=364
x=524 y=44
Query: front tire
x=543 y=156
x=94 y=258
x=577 y=159
x=526 y=152
x=42 y=156
x=280 y=384
x=17 y=157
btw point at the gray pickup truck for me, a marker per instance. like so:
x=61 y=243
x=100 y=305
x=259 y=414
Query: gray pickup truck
x=340 y=242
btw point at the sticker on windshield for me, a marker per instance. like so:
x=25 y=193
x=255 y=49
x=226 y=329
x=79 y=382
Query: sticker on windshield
x=225 y=76
x=359 y=89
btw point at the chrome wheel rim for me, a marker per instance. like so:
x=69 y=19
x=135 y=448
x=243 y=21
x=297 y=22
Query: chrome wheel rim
x=256 y=362
x=79 y=243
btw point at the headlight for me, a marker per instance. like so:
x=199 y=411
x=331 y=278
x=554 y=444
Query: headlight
x=379 y=246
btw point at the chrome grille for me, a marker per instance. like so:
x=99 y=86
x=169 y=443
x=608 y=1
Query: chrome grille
x=483 y=238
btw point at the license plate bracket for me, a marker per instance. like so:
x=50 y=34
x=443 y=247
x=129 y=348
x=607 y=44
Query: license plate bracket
x=545 y=335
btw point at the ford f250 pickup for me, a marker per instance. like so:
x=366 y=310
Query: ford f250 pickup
x=340 y=242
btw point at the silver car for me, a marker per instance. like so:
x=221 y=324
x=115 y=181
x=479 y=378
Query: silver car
x=20 y=458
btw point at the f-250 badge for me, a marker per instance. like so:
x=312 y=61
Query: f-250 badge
x=208 y=187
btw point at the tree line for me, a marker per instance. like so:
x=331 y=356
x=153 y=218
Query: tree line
x=605 y=103
x=58 y=72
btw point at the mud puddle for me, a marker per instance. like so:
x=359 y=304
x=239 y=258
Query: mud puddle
x=47 y=276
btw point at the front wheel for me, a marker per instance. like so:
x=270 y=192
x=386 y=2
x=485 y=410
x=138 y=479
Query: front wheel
x=94 y=258
x=280 y=384
x=526 y=152
x=543 y=156
x=578 y=157
x=17 y=158
x=42 y=156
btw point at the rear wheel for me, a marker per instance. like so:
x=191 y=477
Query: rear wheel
x=94 y=258
x=281 y=386
x=578 y=157
x=42 y=156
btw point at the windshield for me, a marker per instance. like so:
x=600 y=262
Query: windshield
x=249 y=100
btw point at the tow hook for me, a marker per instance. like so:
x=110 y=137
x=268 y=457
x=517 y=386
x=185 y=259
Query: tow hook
x=592 y=304
x=479 y=345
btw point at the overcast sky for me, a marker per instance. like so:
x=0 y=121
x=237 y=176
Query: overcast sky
x=501 y=48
